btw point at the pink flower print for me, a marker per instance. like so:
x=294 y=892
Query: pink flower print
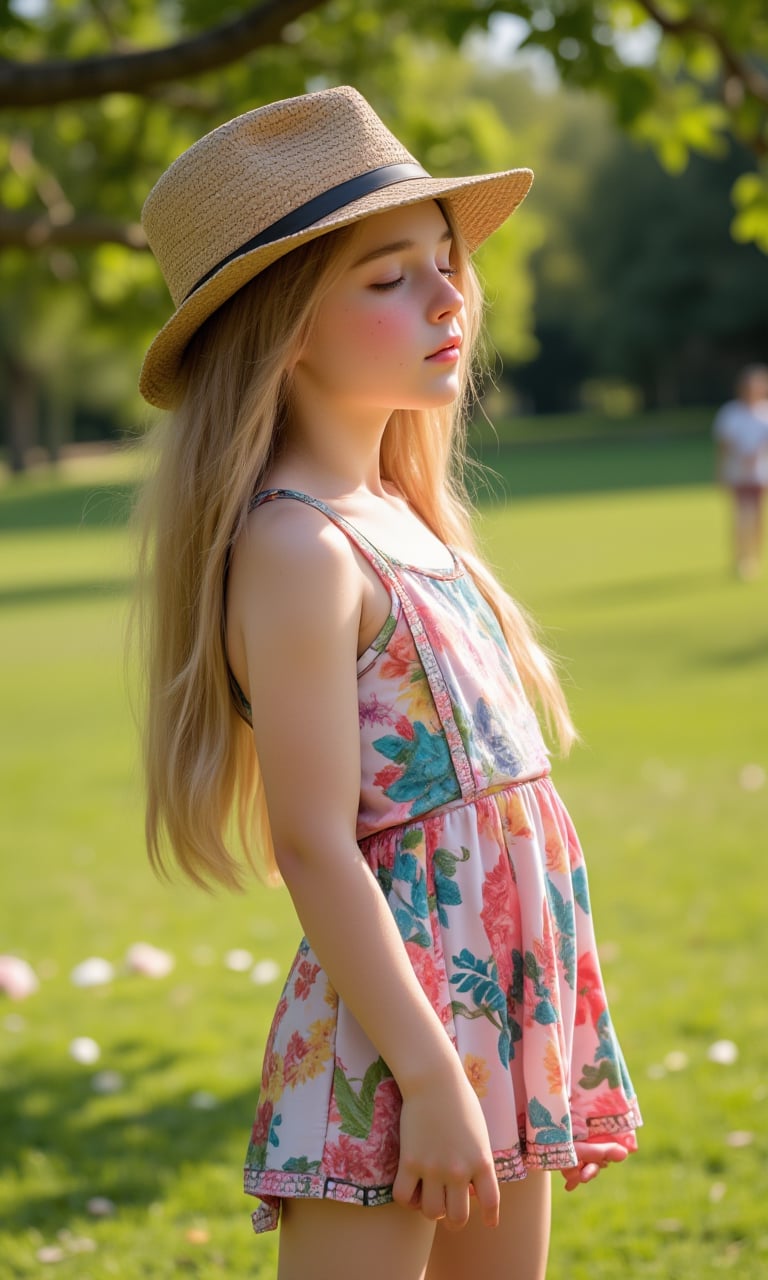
x=385 y=1130
x=372 y=1160
x=349 y=1159
x=262 y=1123
x=404 y=728
x=297 y=1050
x=387 y=776
x=374 y=712
x=590 y=1002
x=499 y=916
x=305 y=979
x=401 y=657
x=423 y=964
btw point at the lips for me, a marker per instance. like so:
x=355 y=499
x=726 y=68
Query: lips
x=450 y=345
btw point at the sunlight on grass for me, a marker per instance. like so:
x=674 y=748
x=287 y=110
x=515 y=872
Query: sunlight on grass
x=666 y=664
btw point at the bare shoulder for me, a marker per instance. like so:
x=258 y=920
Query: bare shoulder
x=293 y=557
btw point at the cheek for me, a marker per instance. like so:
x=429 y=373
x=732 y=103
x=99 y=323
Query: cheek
x=379 y=335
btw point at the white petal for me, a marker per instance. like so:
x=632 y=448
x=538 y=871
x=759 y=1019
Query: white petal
x=107 y=1082
x=50 y=1253
x=203 y=1101
x=238 y=960
x=149 y=961
x=100 y=1207
x=93 y=972
x=676 y=1060
x=752 y=777
x=264 y=972
x=84 y=1050
x=723 y=1051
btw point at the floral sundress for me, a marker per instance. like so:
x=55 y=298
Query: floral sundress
x=483 y=872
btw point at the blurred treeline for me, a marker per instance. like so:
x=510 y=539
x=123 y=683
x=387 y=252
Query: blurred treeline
x=616 y=287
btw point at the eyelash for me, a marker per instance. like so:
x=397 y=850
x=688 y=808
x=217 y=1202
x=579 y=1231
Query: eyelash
x=448 y=272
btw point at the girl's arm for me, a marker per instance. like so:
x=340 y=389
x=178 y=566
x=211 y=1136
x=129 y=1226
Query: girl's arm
x=295 y=596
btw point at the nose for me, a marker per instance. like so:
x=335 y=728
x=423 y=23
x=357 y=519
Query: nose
x=446 y=299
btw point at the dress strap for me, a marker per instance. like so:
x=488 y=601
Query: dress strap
x=432 y=671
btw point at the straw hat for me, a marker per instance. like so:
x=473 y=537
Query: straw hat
x=274 y=178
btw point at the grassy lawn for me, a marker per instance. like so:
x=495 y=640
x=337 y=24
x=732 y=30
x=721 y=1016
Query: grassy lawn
x=619 y=549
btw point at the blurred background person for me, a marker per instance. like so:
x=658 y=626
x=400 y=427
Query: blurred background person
x=741 y=434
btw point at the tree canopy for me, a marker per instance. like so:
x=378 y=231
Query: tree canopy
x=98 y=96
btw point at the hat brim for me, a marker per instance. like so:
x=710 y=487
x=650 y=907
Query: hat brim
x=478 y=205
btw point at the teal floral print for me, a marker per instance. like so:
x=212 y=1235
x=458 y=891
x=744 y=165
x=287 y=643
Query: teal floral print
x=482 y=871
x=423 y=773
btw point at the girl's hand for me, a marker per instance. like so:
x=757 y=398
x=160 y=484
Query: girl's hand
x=594 y=1156
x=445 y=1154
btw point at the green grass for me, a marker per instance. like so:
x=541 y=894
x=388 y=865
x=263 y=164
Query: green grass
x=666 y=664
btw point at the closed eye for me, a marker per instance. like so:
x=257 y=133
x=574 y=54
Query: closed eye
x=384 y=285
x=388 y=284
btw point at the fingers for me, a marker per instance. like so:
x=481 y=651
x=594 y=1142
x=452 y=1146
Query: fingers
x=449 y=1203
x=406 y=1190
x=456 y=1207
x=592 y=1157
x=486 y=1186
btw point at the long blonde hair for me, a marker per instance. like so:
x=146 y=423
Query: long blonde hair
x=201 y=767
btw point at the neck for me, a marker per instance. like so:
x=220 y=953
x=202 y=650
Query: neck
x=332 y=452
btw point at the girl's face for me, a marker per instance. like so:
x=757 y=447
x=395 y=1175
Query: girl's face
x=388 y=331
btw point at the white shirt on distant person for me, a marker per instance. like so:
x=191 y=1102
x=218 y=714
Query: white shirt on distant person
x=743 y=429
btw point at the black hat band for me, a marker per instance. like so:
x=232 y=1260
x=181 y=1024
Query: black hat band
x=319 y=207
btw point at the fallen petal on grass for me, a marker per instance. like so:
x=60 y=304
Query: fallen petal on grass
x=107 y=1082
x=203 y=1101
x=17 y=978
x=50 y=1253
x=739 y=1138
x=676 y=1060
x=656 y=1071
x=15 y=1023
x=100 y=1207
x=197 y=1235
x=724 y=1052
x=752 y=777
x=670 y=1226
x=149 y=961
x=238 y=960
x=717 y=1192
x=84 y=1050
x=93 y=972
x=264 y=972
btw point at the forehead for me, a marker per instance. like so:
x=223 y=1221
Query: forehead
x=423 y=221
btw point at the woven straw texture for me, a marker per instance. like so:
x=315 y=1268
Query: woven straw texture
x=247 y=174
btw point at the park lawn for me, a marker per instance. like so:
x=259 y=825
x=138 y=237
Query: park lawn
x=666 y=665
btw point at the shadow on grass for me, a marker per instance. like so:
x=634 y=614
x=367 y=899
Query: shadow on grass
x=659 y=587
x=575 y=467
x=112 y=1146
x=752 y=654
x=50 y=592
x=512 y=471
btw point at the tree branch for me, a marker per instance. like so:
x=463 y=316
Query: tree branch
x=753 y=80
x=39 y=231
x=43 y=84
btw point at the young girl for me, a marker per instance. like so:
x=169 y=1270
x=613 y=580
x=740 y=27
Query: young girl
x=330 y=659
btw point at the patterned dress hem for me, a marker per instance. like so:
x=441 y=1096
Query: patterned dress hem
x=274 y=1185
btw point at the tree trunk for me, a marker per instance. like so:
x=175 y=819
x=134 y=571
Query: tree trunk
x=21 y=414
